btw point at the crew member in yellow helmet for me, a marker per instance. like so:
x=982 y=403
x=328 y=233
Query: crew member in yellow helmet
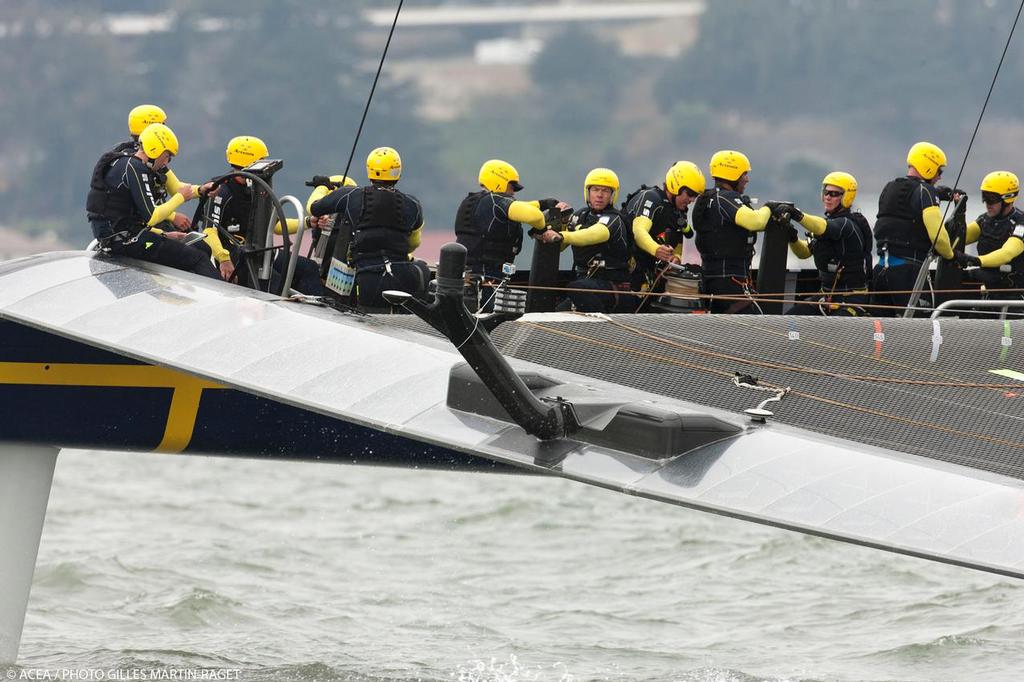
x=908 y=227
x=489 y=221
x=659 y=221
x=840 y=242
x=226 y=224
x=386 y=228
x=726 y=227
x=126 y=215
x=168 y=184
x=999 y=232
x=600 y=245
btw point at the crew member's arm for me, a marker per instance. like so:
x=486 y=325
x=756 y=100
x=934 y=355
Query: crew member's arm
x=814 y=224
x=213 y=217
x=1013 y=247
x=141 y=188
x=526 y=212
x=754 y=221
x=416 y=236
x=642 y=235
x=800 y=248
x=973 y=232
x=597 y=233
x=937 y=231
x=334 y=202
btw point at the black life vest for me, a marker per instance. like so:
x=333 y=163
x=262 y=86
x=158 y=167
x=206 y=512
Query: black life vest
x=488 y=238
x=382 y=229
x=900 y=229
x=716 y=239
x=102 y=203
x=995 y=232
x=844 y=264
x=670 y=223
x=615 y=252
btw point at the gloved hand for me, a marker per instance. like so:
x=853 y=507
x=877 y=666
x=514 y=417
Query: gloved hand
x=321 y=180
x=547 y=204
x=784 y=211
x=966 y=260
x=946 y=193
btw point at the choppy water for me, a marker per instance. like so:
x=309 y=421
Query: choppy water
x=293 y=571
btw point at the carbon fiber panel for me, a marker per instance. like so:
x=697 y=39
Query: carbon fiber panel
x=851 y=378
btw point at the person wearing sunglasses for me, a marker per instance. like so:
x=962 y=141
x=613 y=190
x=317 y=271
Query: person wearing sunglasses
x=840 y=243
x=726 y=228
x=600 y=249
x=909 y=226
x=659 y=220
x=999 y=232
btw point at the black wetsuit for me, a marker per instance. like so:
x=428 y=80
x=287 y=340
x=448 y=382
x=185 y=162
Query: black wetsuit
x=383 y=220
x=601 y=267
x=994 y=234
x=726 y=250
x=132 y=192
x=902 y=242
x=230 y=212
x=843 y=256
x=669 y=226
x=491 y=238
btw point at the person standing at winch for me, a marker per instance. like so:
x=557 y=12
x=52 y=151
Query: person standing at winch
x=489 y=221
x=123 y=209
x=228 y=215
x=600 y=249
x=386 y=229
x=1000 y=236
x=909 y=226
x=841 y=246
x=726 y=228
x=659 y=221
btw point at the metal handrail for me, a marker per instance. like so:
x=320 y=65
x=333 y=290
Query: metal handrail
x=969 y=303
x=294 y=256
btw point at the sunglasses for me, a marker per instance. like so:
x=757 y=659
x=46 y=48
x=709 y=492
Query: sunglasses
x=834 y=193
x=690 y=193
x=991 y=198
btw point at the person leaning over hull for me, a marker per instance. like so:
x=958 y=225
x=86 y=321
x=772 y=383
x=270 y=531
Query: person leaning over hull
x=600 y=249
x=386 y=229
x=999 y=232
x=909 y=223
x=841 y=246
x=489 y=221
x=124 y=212
x=726 y=228
x=659 y=221
x=226 y=222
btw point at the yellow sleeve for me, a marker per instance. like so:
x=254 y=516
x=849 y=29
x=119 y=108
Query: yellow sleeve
x=933 y=223
x=415 y=239
x=800 y=248
x=1004 y=254
x=813 y=224
x=526 y=212
x=642 y=235
x=973 y=232
x=595 y=234
x=212 y=239
x=293 y=225
x=535 y=203
x=165 y=210
x=752 y=220
x=318 y=193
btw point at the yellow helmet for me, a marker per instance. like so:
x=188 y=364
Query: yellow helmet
x=927 y=159
x=157 y=139
x=1003 y=183
x=245 y=149
x=685 y=174
x=729 y=165
x=142 y=115
x=604 y=177
x=496 y=175
x=844 y=181
x=384 y=163
x=343 y=180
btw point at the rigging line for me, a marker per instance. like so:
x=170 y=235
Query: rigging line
x=977 y=125
x=809 y=396
x=373 y=88
x=802 y=369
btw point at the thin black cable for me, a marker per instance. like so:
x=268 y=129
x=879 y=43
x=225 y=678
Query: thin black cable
x=927 y=261
x=373 y=88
